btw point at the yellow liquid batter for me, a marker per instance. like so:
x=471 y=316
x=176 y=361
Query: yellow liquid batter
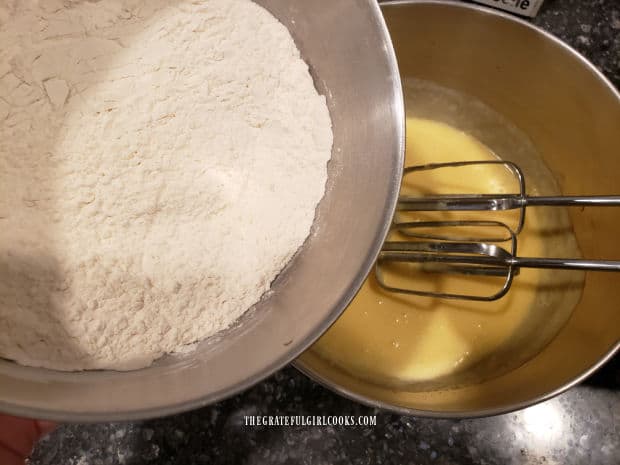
x=393 y=338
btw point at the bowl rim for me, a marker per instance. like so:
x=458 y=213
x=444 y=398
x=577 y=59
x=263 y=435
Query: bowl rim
x=300 y=365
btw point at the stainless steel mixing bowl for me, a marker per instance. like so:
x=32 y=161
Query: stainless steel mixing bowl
x=571 y=113
x=350 y=54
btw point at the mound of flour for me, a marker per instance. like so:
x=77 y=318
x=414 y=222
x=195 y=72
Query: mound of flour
x=160 y=163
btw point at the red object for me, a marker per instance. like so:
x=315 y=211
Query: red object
x=18 y=436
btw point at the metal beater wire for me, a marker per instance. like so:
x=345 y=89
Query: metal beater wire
x=472 y=255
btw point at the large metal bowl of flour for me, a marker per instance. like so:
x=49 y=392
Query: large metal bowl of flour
x=354 y=66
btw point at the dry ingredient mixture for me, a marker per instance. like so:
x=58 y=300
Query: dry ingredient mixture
x=160 y=163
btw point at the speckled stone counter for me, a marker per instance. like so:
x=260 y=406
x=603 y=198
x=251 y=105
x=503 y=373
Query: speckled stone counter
x=590 y=26
x=578 y=427
x=581 y=426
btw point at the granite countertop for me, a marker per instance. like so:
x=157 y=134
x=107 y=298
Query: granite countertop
x=579 y=426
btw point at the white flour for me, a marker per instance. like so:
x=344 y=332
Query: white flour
x=160 y=163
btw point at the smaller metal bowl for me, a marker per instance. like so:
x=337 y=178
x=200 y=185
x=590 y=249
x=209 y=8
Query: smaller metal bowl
x=571 y=114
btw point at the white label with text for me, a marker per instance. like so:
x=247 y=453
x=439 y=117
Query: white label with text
x=521 y=7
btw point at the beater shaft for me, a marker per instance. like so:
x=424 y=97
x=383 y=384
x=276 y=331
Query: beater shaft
x=465 y=253
x=492 y=202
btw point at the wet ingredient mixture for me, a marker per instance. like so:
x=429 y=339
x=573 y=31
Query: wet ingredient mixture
x=400 y=339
